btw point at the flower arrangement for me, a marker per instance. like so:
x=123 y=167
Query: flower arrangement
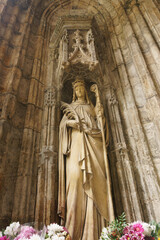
x=115 y=229
x=15 y=231
x=120 y=230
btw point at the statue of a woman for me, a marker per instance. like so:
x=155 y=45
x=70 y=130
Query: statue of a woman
x=83 y=194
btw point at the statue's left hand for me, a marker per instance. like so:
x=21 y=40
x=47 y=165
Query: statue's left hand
x=73 y=124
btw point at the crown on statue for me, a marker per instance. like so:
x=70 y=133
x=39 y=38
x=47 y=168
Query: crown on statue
x=78 y=82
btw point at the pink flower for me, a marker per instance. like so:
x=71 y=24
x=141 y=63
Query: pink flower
x=4 y=238
x=133 y=232
x=125 y=230
x=134 y=238
x=26 y=232
x=127 y=236
x=138 y=227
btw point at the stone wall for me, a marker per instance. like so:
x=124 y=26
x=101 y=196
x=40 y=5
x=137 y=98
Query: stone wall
x=127 y=46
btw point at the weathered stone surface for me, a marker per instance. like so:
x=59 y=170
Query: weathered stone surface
x=127 y=41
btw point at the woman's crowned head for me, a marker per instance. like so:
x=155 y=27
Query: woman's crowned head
x=79 y=82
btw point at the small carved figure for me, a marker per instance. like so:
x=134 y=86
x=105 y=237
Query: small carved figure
x=83 y=198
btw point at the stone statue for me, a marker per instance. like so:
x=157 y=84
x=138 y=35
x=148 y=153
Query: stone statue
x=83 y=196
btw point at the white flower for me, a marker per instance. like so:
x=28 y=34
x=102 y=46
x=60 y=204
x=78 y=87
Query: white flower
x=55 y=237
x=148 y=229
x=35 y=237
x=64 y=233
x=8 y=231
x=153 y=228
x=1 y=234
x=61 y=234
x=12 y=229
x=53 y=229
x=105 y=230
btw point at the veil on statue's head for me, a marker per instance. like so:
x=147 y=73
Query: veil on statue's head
x=79 y=81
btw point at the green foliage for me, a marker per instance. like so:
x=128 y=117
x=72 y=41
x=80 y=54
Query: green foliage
x=116 y=227
x=119 y=223
x=3 y=232
x=155 y=233
x=114 y=230
x=46 y=236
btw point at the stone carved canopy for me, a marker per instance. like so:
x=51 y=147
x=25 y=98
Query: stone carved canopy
x=74 y=43
x=83 y=49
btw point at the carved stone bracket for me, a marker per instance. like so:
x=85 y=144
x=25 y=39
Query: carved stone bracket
x=50 y=97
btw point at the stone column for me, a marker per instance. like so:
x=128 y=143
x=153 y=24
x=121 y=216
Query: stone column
x=133 y=96
x=46 y=202
x=14 y=24
x=151 y=14
x=121 y=166
x=26 y=183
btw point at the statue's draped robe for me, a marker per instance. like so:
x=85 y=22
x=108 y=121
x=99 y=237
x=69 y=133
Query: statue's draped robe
x=82 y=177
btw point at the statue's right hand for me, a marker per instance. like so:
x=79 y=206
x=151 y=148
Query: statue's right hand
x=72 y=124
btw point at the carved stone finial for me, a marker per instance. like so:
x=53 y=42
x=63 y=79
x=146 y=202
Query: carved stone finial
x=90 y=45
x=49 y=98
x=65 y=36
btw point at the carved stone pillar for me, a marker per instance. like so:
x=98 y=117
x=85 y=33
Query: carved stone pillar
x=138 y=102
x=120 y=163
x=47 y=168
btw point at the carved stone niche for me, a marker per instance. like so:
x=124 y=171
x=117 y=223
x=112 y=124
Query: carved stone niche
x=73 y=37
x=90 y=77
